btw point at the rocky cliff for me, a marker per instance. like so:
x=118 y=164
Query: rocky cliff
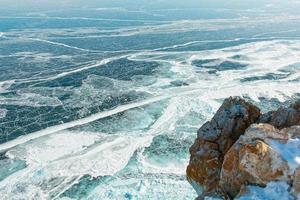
x=240 y=149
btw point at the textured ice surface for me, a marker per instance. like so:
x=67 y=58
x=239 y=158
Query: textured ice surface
x=108 y=107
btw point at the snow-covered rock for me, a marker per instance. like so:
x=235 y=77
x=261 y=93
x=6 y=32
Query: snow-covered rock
x=251 y=160
x=236 y=155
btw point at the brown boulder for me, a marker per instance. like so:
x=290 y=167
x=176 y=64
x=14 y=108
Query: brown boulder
x=283 y=117
x=293 y=132
x=252 y=161
x=214 y=140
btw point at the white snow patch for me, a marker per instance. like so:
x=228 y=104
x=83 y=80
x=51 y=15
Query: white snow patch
x=273 y=191
x=50 y=148
x=290 y=151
